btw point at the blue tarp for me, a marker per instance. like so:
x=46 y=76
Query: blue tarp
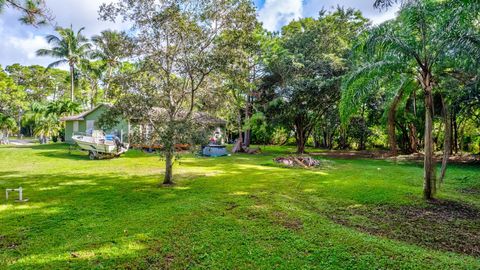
x=215 y=151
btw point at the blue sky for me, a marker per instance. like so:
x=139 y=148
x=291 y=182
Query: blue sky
x=19 y=42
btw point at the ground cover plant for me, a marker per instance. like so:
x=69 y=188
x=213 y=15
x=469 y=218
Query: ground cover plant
x=237 y=212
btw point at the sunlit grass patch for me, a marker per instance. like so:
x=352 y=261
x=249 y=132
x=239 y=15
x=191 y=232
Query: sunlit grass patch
x=238 y=212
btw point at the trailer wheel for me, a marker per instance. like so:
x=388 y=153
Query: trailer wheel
x=91 y=155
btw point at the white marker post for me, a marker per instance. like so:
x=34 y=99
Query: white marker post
x=20 y=194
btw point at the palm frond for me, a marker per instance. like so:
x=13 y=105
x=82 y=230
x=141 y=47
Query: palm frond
x=57 y=63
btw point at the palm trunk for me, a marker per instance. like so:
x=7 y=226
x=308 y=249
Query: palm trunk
x=447 y=140
x=429 y=187
x=72 y=83
x=412 y=129
x=392 y=139
x=455 y=132
x=362 y=145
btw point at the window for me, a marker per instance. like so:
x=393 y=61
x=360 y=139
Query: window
x=90 y=126
x=75 y=126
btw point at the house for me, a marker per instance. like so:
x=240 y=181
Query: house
x=133 y=131
x=87 y=121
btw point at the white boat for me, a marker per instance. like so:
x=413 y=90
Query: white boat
x=98 y=146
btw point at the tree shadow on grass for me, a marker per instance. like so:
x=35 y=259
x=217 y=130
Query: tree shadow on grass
x=440 y=225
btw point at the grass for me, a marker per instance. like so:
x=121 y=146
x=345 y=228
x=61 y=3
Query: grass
x=238 y=212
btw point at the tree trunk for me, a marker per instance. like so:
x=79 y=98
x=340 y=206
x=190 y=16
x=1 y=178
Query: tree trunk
x=19 y=133
x=316 y=140
x=239 y=125
x=325 y=139
x=72 y=83
x=429 y=187
x=392 y=138
x=107 y=86
x=455 y=132
x=362 y=143
x=300 y=136
x=300 y=145
x=343 y=140
x=247 y=118
x=447 y=140
x=168 y=180
x=412 y=137
x=451 y=133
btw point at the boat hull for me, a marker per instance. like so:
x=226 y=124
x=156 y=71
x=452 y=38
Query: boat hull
x=98 y=146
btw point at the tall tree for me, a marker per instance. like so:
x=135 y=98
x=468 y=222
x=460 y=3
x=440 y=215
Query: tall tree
x=242 y=70
x=306 y=64
x=71 y=48
x=13 y=98
x=92 y=72
x=7 y=126
x=111 y=49
x=175 y=43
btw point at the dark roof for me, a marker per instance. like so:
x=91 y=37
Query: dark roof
x=207 y=118
x=199 y=117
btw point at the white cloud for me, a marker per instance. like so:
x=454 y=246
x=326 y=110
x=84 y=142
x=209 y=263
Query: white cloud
x=20 y=42
x=27 y=46
x=82 y=13
x=276 y=13
x=384 y=16
x=312 y=7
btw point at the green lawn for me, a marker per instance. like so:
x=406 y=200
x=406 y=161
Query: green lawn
x=238 y=212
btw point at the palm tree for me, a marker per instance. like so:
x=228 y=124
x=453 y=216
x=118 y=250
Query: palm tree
x=70 y=48
x=7 y=126
x=62 y=108
x=47 y=127
x=110 y=49
x=93 y=71
x=372 y=78
x=425 y=35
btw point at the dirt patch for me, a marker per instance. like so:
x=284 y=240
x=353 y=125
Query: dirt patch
x=169 y=259
x=472 y=191
x=288 y=222
x=455 y=159
x=8 y=242
x=416 y=157
x=353 y=154
x=231 y=206
x=444 y=225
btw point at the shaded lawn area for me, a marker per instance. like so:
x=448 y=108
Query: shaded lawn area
x=238 y=212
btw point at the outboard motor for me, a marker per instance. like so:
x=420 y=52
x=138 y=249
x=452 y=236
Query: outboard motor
x=118 y=143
